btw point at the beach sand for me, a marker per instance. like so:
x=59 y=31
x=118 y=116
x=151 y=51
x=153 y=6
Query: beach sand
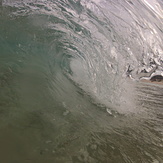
x=154 y=82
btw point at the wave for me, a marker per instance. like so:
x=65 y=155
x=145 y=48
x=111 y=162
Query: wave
x=100 y=43
x=69 y=79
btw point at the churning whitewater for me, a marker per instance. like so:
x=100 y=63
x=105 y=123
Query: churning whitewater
x=75 y=81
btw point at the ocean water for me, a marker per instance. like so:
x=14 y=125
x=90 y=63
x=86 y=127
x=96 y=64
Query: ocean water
x=70 y=89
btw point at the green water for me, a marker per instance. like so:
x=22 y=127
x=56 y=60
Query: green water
x=58 y=101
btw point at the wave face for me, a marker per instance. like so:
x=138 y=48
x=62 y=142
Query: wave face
x=69 y=80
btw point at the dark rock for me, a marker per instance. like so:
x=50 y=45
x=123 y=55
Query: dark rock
x=157 y=78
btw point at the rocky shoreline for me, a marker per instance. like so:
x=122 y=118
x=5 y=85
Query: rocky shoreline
x=157 y=79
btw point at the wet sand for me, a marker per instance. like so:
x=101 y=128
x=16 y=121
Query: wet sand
x=154 y=82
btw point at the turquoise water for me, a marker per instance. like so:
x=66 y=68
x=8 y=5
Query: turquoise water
x=65 y=91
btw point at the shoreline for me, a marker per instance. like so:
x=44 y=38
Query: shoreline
x=150 y=82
